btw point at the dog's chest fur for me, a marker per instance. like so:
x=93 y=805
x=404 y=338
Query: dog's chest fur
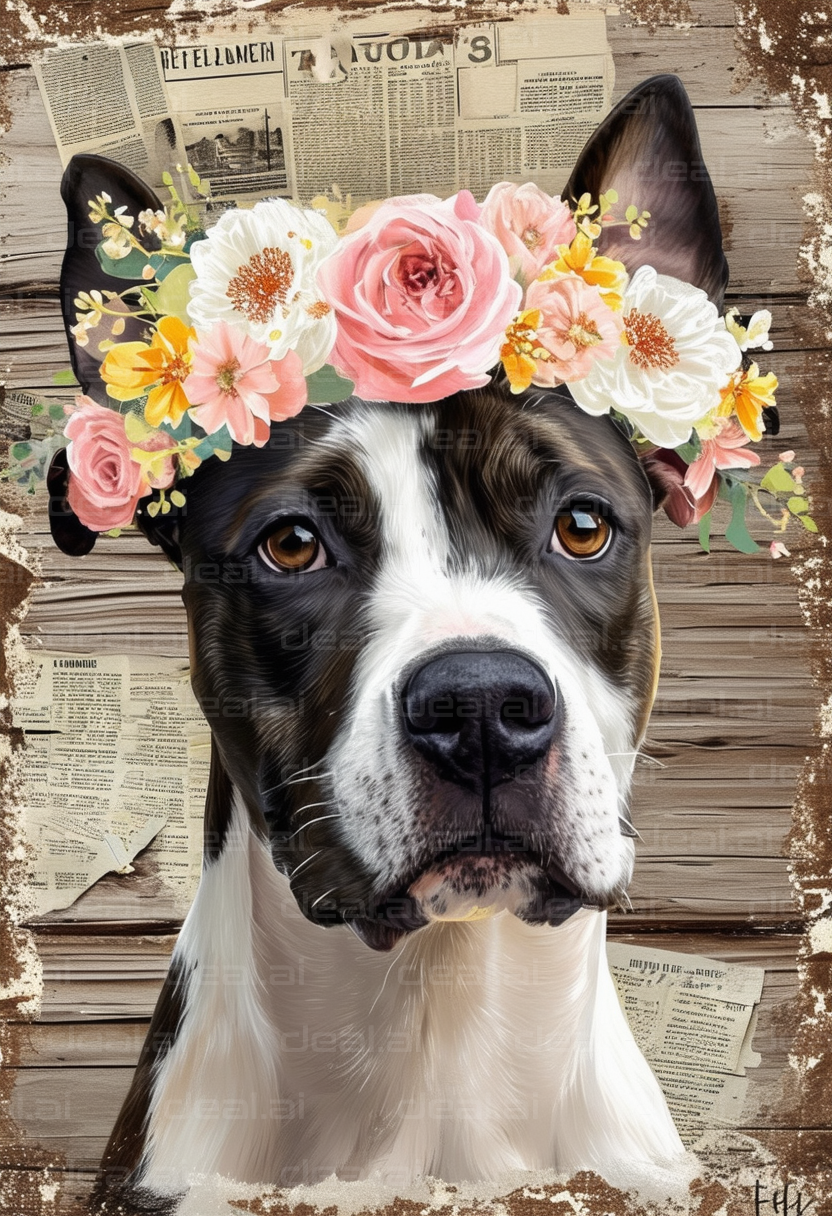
x=473 y=1050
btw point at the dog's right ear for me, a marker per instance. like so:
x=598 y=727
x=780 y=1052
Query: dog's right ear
x=648 y=150
x=84 y=179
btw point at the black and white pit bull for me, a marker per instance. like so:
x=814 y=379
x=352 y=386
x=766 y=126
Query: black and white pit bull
x=426 y=641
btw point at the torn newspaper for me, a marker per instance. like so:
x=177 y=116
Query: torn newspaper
x=372 y=108
x=694 y=1019
x=117 y=754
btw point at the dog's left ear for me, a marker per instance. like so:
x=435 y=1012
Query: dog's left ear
x=647 y=148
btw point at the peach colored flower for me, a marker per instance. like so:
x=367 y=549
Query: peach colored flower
x=422 y=295
x=724 y=451
x=235 y=383
x=565 y=329
x=529 y=224
x=106 y=483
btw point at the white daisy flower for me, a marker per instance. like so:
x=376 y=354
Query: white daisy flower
x=256 y=270
x=675 y=356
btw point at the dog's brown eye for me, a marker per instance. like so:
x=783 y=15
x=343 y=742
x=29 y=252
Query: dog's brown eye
x=581 y=532
x=292 y=548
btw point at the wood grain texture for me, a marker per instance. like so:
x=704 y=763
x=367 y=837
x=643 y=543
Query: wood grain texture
x=734 y=718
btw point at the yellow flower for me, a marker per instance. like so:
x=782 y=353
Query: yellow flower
x=516 y=351
x=747 y=394
x=609 y=276
x=132 y=368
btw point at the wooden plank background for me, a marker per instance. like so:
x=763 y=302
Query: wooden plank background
x=733 y=723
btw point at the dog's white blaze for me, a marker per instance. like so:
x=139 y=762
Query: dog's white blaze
x=418 y=602
x=468 y=1051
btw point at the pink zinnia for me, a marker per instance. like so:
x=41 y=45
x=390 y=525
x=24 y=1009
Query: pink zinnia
x=529 y=224
x=576 y=328
x=724 y=451
x=234 y=383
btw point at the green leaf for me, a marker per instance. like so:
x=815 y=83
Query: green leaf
x=37 y=409
x=798 y=505
x=167 y=180
x=173 y=294
x=737 y=533
x=204 y=449
x=183 y=431
x=132 y=266
x=631 y=214
x=326 y=387
x=705 y=532
x=56 y=412
x=778 y=480
x=690 y=451
x=808 y=523
x=65 y=377
x=19 y=451
x=221 y=441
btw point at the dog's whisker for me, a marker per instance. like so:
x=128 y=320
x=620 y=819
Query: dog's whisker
x=305 y=862
x=309 y=823
x=311 y=777
x=628 y=829
x=296 y=777
x=320 y=897
x=380 y=991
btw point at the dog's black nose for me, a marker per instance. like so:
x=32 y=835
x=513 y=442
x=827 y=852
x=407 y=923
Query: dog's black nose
x=481 y=717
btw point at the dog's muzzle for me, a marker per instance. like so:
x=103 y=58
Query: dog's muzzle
x=480 y=718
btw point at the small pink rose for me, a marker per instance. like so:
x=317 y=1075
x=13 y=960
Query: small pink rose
x=422 y=295
x=105 y=483
x=529 y=224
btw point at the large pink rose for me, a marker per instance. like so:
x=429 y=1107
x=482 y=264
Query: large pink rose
x=106 y=483
x=529 y=224
x=422 y=295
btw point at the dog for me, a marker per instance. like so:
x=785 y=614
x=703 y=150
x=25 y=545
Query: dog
x=427 y=644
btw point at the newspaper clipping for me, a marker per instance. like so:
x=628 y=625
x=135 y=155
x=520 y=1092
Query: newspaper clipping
x=369 y=113
x=117 y=756
x=694 y=1019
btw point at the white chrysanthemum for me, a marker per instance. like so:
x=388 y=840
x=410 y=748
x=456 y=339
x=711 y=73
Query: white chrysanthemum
x=668 y=373
x=256 y=271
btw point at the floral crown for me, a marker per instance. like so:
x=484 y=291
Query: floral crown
x=410 y=299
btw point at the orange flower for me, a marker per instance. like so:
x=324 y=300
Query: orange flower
x=580 y=258
x=130 y=369
x=516 y=351
x=747 y=394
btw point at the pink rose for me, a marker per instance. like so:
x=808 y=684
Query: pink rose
x=529 y=224
x=106 y=483
x=576 y=327
x=422 y=296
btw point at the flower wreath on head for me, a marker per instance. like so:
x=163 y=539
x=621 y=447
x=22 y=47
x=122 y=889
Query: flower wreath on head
x=410 y=299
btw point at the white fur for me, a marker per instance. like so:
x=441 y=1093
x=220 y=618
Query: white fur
x=470 y=1050
x=420 y=601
